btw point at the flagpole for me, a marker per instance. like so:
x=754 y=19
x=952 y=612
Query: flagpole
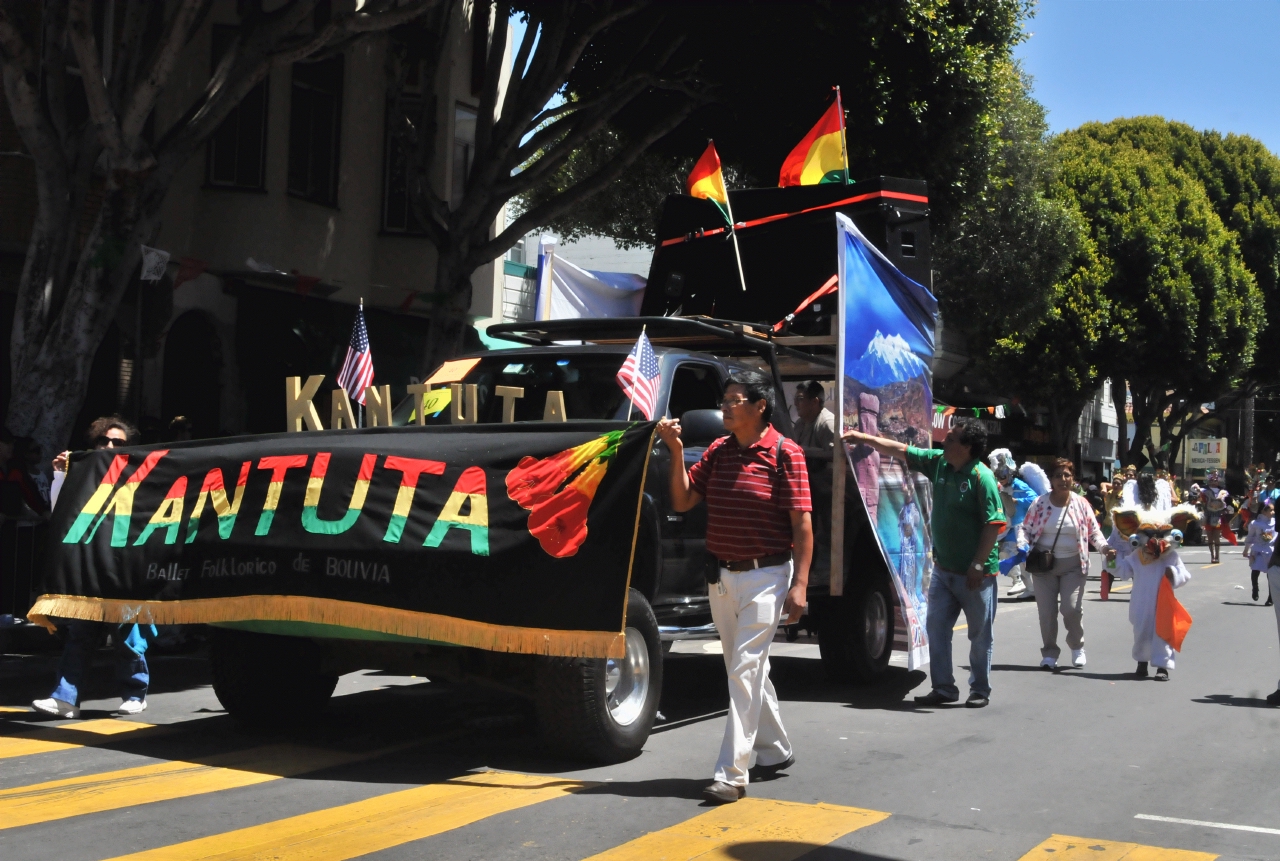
x=733 y=232
x=635 y=372
x=359 y=405
x=844 y=142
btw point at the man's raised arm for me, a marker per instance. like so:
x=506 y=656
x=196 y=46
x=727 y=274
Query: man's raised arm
x=887 y=447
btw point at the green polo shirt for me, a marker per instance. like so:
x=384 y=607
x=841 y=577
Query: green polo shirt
x=964 y=501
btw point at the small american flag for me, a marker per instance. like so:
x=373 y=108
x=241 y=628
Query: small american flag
x=639 y=376
x=357 y=370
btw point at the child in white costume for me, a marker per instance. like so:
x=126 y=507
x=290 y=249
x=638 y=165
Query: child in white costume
x=1155 y=536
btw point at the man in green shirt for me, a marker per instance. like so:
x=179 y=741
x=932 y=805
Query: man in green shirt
x=967 y=518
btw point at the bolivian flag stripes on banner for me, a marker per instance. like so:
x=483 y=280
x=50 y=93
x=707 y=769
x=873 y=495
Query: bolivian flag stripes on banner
x=508 y=538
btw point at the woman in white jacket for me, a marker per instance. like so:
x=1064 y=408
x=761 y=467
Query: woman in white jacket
x=1257 y=545
x=1062 y=523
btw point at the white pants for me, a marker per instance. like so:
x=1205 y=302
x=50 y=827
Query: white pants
x=746 y=605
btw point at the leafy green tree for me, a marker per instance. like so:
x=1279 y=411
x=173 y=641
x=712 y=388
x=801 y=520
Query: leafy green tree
x=1185 y=310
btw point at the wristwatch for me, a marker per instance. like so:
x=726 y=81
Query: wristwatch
x=978 y=567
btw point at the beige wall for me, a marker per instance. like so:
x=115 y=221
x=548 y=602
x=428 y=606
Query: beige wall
x=342 y=246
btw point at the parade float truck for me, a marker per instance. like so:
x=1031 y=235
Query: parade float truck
x=509 y=522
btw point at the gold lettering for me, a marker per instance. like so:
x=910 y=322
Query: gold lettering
x=508 y=395
x=554 y=410
x=298 y=408
x=471 y=414
x=377 y=401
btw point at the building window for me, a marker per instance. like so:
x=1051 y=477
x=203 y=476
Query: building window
x=315 y=130
x=516 y=254
x=464 y=151
x=237 y=152
x=401 y=128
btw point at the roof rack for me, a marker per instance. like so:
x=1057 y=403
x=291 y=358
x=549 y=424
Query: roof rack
x=669 y=331
x=691 y=333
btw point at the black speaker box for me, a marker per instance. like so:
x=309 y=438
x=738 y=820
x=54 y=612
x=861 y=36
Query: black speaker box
x=788 y=246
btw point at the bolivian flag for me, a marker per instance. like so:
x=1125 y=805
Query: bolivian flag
x=820 y=156
x=707 y=180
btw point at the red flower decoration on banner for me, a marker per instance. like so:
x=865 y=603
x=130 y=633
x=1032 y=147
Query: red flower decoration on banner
x=558 y=511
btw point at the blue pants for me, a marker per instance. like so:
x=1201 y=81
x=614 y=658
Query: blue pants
x=948 y=595
x=130 y=647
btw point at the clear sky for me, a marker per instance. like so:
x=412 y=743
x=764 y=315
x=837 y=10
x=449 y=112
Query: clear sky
x=1209 y=63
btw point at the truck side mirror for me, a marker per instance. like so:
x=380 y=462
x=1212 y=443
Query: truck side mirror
x=701 y=427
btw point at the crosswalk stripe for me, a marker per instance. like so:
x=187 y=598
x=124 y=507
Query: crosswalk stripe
x=112 y=790
x=83 y=734
x=363 y=827
x=756 y=828
x=1059 y=847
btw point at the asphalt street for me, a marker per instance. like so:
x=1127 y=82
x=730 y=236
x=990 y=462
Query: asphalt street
x=1089 y=763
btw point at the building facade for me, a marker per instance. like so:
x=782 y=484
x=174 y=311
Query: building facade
x=295 y=213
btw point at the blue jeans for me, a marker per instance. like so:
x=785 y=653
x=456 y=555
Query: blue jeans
x=948 y=595
x=77 y=658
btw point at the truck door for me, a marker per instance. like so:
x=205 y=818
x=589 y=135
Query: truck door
x=694 y=386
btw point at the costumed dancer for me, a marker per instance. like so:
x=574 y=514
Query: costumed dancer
x=1155 y=536
x=1215 y=499
x=1258 y=545
x=1273 y=583
x=1018 y=489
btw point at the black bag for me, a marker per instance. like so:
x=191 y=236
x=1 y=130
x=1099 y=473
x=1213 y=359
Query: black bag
x=1041 y=561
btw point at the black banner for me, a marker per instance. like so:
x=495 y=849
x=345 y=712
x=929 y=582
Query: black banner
x=511 y=538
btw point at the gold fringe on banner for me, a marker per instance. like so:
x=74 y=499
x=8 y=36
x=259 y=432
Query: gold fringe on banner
x=327 y=611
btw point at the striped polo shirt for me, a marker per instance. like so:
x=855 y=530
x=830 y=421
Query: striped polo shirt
x=748 y=502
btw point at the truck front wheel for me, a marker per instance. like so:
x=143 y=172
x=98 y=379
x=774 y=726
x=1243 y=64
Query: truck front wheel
x=254 y=674
x=603 y=709
x=855 y=635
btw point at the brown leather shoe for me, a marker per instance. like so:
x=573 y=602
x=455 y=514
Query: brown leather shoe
x=723 y=793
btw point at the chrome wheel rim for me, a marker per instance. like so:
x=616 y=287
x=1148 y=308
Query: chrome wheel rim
x=626 y=680
x=876 y=622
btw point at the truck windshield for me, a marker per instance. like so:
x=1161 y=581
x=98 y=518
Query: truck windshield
x=588 y=382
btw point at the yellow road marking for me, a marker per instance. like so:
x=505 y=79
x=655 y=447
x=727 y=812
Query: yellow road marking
x=48 y=739
x=16 y=710
x=384 y=822
x=112 y=790
x=755 y=828
x=1062 y=848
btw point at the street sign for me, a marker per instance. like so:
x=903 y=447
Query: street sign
x=1206 y=453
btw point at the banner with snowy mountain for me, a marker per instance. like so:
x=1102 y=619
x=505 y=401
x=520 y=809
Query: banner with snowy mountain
x=886 y=389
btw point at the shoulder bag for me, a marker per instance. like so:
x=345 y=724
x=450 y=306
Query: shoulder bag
x=1040 y=561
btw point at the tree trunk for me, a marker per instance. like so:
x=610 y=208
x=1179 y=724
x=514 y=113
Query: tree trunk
x=1119 y=398
x=450 y=320
x=54 y=349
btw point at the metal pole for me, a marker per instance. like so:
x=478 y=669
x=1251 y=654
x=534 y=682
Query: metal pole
x=733 y=232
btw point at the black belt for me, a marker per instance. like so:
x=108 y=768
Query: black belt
x=752 y=564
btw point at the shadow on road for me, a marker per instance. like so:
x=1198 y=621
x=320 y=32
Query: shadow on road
x=1230 y=700
x=758 y=849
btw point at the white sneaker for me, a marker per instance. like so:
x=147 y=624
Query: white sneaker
x=57 y=708
x=1017 y=589
x=132 y=707
x=1049 y=663
x=1077 y=657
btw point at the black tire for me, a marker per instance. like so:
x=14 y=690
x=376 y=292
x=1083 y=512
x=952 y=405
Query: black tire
x=855 y=635
x=264 y=680
x=577 y=699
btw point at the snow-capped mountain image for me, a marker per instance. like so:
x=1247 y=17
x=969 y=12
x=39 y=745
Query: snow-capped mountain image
x=887 y=359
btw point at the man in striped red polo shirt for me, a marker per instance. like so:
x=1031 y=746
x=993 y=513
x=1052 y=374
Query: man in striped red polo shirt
x=759 y=529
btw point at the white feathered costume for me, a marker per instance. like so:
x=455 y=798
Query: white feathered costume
x=1154 y=536
x=1019 y=487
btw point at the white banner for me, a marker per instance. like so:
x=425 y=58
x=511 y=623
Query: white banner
x=567 y=291
x=1206 y=453
x=153 y=263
